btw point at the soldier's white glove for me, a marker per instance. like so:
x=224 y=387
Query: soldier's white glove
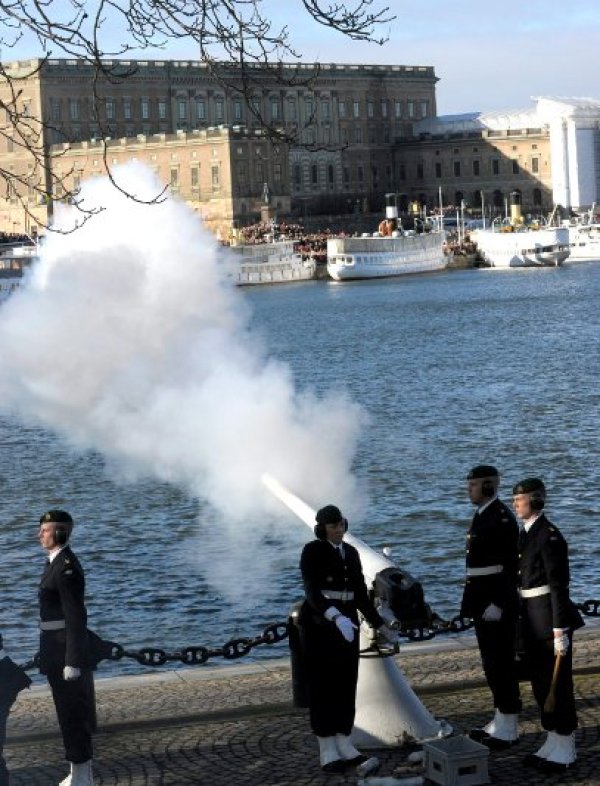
x=493 y=613
x=346 y=627
x=71 y=673
x=561 y=641
x=389 y=635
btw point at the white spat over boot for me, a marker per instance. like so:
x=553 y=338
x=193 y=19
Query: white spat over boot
x=535 y=759
x=562 y=755
x=503 y=726
x=548 y=746
x=501 y=732
x=347 y=750
x=329 y=755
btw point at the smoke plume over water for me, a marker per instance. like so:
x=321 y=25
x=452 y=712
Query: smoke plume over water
x=129 y=338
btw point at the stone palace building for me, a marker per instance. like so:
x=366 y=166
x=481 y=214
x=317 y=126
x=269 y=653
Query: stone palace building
x=325 y=139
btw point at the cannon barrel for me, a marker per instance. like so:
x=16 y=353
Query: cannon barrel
x=399 y=598
x=372 y=561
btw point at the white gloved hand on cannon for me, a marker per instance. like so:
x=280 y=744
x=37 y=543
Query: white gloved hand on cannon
x=346 y=627
x=561 y=641
x=492 y=613
x=344 y=624
x=71 y=673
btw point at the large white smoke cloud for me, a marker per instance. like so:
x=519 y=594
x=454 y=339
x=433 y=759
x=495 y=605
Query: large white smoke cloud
x=129 y=338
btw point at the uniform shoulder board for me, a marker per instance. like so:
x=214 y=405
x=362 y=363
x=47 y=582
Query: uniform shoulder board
x=67 y=572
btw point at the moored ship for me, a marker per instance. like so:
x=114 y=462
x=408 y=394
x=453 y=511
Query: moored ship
x=584 y=237
x=14 y=258
x=378 y=257
x=270 y=263
x=516 y=244
x=389 y=252
x=546 y=247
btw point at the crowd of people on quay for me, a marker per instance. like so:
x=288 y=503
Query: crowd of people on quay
x=459 y=246
x=310 y=245
x=516 y=592
x=13 y=237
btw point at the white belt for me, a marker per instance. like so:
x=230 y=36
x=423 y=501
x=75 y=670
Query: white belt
x=334 y=595
x=535 y=592
x=489 y=570
x=53 y=625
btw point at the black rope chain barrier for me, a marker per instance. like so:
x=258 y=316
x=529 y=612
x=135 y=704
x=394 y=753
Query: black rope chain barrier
x=273 y=634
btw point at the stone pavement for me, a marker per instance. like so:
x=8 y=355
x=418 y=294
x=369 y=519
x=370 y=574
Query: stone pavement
x=234 y=725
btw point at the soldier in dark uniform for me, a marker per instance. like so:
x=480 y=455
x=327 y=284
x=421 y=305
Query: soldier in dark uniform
x=335 y=591
x=547 y=620
x=12 y=680
x=490 y=599
x=65 y=656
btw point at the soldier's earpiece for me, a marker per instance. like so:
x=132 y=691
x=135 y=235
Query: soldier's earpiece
x=536 y=500
x=320 y=532
x=487 y=488
x=61 y=534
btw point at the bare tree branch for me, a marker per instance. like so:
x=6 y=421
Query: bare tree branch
x=237 y=43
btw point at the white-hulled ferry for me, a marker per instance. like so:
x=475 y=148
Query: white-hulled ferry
x=270 y=263
x=584 y=237
x=378 y=257
x=523 y=247
x=388 y=252
x=14 y=257
x=516 y=244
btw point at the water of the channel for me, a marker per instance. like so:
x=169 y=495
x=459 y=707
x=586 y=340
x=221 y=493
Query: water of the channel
x=453 y=369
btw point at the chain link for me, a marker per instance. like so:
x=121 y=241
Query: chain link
x=195 y=656
x=273 y=634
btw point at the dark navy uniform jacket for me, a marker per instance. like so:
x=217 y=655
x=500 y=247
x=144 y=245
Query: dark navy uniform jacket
x=492 y=540
x=544 y=561
x=323 y=569
x=61 y=597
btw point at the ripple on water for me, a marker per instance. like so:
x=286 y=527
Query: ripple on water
x=453 y=370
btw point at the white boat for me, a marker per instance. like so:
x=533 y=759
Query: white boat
x=14 y=257
x=516 y=246
x=584 y=237
x=270 y=263
x=379 y=257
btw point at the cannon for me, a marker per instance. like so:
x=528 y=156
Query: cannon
x=388 y=712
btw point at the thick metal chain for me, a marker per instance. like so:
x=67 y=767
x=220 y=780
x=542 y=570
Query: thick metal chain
x=272 y=634
x=194 y=656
